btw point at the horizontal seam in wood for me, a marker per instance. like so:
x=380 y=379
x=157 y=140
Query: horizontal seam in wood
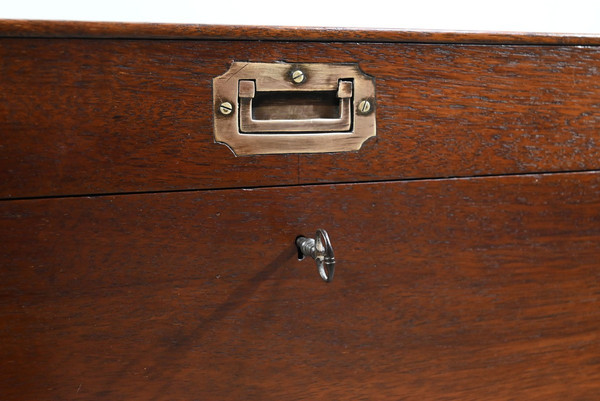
x=300 y=184
x=313 y=40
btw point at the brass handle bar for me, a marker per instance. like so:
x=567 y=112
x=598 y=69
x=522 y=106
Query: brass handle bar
x=247 y=91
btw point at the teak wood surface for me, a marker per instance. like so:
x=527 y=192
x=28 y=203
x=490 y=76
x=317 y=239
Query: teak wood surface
x=140 y=260
x=99 y=116
x=111 y=30
x=470 y=289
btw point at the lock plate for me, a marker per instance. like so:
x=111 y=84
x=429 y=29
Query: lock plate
x=274 y=108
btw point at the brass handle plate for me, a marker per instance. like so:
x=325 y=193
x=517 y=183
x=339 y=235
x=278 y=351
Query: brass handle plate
x=270 y=108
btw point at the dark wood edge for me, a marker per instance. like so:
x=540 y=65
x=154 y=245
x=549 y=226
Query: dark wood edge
x=117 y=30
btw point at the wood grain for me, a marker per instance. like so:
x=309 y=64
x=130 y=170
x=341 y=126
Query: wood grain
x=447 y=111
x=472 y=289
x=82 y=116
x=85 y=116
x=112 y=30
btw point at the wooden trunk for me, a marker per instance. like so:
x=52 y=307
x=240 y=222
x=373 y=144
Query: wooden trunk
x=140 y=260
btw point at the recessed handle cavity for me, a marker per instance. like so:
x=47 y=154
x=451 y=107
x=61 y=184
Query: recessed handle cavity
x=342 y=123
x=321 y=251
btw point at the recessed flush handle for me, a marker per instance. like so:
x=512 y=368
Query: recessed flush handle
x=321 y=251
x=283 y=108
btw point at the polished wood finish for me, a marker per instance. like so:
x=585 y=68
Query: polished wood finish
x=109 y=116
x=482 y=288
x=447 y=111
x=111 y=30
x=98 y=116
x=140 y=260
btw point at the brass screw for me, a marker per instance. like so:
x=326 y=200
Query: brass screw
x=225 y=108
x=364 y=107
x=298 y=76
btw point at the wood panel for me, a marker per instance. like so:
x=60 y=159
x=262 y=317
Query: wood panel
x=112 y=30
x=447 y=111
x=484 y=288
x=97 y=116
